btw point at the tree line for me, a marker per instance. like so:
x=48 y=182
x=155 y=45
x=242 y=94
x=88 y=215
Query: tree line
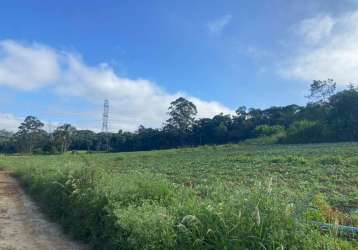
x=329 y=116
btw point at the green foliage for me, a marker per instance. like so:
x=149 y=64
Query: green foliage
x=212 y=197
x=182 y=114
x=331 y=117
x=266 y=130
x=30 y=137
x=343 y=116
x=5 y=135
x=321 y=90
x=62 y=137
x=304 y=131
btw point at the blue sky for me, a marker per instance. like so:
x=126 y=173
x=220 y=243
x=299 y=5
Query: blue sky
x=60 y=59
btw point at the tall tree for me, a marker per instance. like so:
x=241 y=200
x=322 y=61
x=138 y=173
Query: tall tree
x=29 y=134
x=343 y=114
x=320 y=91
x=182 y=115
x=241 y=112
x=63 y=135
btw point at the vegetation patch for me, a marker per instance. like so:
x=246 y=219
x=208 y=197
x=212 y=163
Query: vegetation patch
x=221 y=197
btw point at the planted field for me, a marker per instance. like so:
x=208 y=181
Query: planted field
x=211 y=197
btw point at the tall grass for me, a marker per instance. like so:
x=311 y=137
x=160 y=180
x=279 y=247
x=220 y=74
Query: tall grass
x=146 y=211
x=212 y=197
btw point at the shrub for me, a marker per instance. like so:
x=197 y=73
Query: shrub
x=305 y=131
x=266 y=130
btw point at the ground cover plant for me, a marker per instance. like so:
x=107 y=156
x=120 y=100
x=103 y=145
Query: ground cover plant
x=211 y=197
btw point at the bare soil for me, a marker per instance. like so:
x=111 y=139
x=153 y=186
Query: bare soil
x=23 y=226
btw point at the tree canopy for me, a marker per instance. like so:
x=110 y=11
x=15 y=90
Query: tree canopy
x=330 y=116
x=182 y=115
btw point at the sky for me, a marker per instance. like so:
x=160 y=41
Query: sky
x=59 y=60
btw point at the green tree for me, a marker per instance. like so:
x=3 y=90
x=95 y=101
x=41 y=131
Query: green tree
x=30 y=134
x=343 y=114
x=267 y=130
x=320 y=91
x=305 y=131
x=83 y=140
x=182 y=115
x=6 y=142
x=62 y=136
x=5 y=135
x=241 y=112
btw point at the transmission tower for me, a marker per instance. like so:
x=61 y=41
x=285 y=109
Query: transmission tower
x=105 y=116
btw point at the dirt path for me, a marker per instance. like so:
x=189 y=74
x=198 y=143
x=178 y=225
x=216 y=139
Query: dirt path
x=22 y=226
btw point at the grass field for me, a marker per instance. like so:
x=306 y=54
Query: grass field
x=211 y=197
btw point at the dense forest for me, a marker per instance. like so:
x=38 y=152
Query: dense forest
x=329 y=116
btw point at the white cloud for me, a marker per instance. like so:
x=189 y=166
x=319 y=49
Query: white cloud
x=315 y=29
x=27 y=68
x=218 y=25
x=132 y=101
x=334 y=54
x=9 y=122
x=203 y=110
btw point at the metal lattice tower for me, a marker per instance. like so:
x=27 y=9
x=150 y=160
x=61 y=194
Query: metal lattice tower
x=105 y=116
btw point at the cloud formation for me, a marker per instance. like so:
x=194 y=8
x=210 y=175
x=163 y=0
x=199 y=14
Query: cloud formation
x=9 y=122
x=315 y=29
x=27 y=68
x=132 y=101
x=330 y=50
x=218 y=25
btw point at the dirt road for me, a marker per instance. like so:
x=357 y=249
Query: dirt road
x=23 y=226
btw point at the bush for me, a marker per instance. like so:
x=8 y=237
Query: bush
x=266 y=130
x=305 y=131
